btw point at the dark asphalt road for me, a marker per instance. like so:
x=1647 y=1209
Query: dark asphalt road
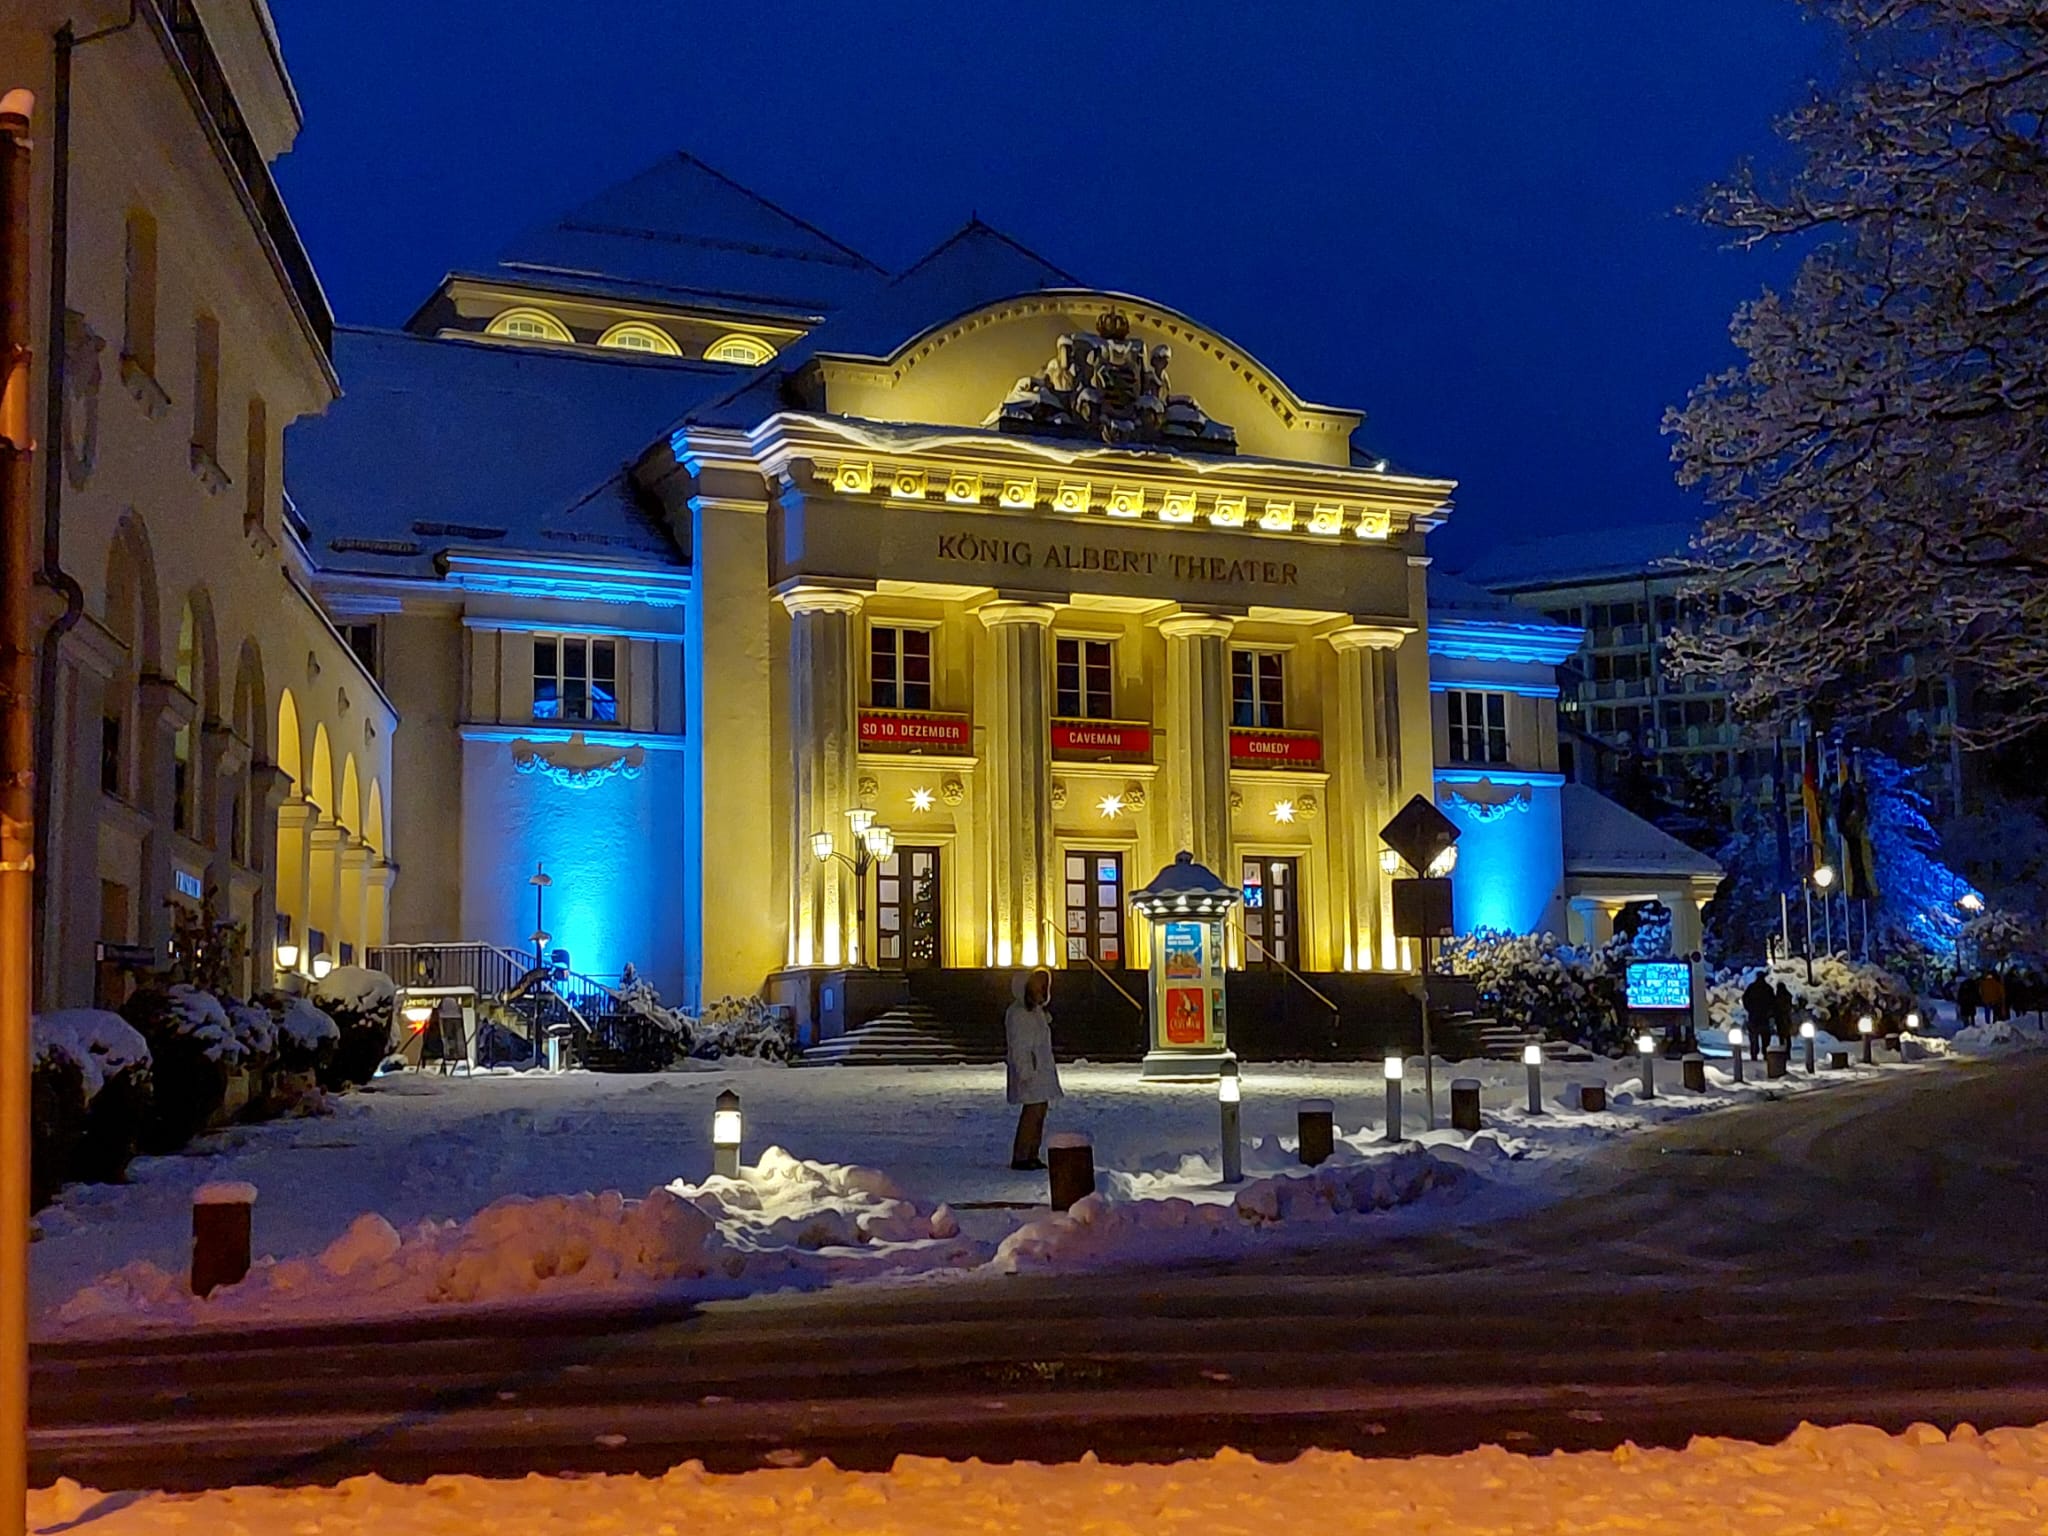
x=1878 y=1254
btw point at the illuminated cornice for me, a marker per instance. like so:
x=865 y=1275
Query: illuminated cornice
x=587 y=581
x=1538 y=641
x=963 y=467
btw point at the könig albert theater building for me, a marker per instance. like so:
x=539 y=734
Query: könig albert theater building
x=685 y=542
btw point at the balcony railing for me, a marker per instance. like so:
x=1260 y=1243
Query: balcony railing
x=210 y=85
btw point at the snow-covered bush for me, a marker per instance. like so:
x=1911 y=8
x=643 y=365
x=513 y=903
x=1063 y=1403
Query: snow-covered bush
x=1997 y=938
x=1538 y=984
x=645 y=1036
x=1841 y=992
x=306 y=1038
x=362 y=1003
x=114 y=1077
x=742 y=1026
x=56 y=1110
x=193 y=1050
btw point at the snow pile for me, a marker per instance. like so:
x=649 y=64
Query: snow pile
x=101 y=1044
x=1101 y=1230
x=200 y=1018
x=357 y=989
x=306 y=1028
x=1847 y=1479
x=254 y=1029
x=1990 y=1039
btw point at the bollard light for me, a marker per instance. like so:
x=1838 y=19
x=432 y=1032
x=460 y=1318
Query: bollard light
x=1736 y=1041
x=1806 y=1034
x=1532 y=1058
x=1866 y=1027
x=725 y=1136
x=1228 y=1094
x=1393 y=1068
x=1913 y=1020
x=1646 y=1052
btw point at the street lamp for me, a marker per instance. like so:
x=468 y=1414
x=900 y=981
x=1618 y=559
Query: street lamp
x=287 y=957
x=1390 y=862
x=873 y=843
x=322 y=964
x=1444 y=862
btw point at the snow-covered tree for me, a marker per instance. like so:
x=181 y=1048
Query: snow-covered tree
x=1879 y=461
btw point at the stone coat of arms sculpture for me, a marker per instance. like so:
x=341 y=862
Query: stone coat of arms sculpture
x=1107 y=384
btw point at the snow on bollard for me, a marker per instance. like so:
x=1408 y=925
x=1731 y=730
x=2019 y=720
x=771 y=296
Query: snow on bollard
x=726 y=1129
x=1315 y=1128
x=1806 y=1034
x=1646 y=1054
x=1777 y=1061
x=1532 y=1058
x=220 y=1235
x=1070 y=1169
x=1695 y=1068
x=1229 y=1093
x=1465 y=1104
x=1866 y=1027
x=1736 y=1041
x=1592 y=1098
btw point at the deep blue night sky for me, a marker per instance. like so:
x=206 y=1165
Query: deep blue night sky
x=1459 y=217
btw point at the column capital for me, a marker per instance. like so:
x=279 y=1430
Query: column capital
x=1196 y=626
x=297 y=810
x=1370 y=637
x=1010 y=611
x=332 y=834
x=356 y=855
x=822 y=600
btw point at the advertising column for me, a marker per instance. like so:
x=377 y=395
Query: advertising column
x=1187 y=905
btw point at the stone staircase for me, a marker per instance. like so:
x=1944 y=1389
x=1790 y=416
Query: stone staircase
x=1504 y=1042
x=907 y=1036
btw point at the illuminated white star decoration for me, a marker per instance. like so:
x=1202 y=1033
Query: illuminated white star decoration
x=1283 y=811
x=1111 y=806
x=920 y=799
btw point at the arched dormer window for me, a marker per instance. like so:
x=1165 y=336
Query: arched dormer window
x=636 y=336
x=528 y=324
x=749 y=351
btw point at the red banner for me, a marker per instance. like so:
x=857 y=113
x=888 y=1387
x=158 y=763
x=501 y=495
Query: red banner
x=899 y=730
x=1275 y=749
x=1100 y=738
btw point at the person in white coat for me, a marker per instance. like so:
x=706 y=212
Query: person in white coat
x=1034 y=1078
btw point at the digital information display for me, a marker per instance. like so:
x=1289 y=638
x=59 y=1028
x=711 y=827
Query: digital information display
x=1660 y=984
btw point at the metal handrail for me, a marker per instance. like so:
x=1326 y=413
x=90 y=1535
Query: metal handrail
x=1290 y=970
x=1053 y=928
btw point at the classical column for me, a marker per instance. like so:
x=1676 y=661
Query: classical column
x=162 y=708
x=1360 y=779
x=1386 y=710
x=223 y=762
x=1197 y=715
x=823 y=744
x=1017 y=812
x=292 y=877
x=329 y=842
x=381 y=876
x=351 y=915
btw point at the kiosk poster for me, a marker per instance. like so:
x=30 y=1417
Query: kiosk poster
x=1183 y=943
x=1186 y=1015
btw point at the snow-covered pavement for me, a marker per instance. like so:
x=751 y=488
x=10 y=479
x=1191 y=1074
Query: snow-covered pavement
x=1851 y=1480
x=422 y=1156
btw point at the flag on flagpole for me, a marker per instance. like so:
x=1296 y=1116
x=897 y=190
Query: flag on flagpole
x=1809 y=796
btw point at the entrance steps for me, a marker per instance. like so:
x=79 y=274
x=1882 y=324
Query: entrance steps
x=906 y=1036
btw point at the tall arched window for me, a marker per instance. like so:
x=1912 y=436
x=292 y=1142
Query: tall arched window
x=634 y=336
x=525 y=323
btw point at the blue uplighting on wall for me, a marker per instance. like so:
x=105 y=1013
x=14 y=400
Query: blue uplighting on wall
x=1510 y=870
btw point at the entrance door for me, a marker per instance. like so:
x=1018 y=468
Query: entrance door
x=1272 y=913
x=907 y=909
x=1095 y=908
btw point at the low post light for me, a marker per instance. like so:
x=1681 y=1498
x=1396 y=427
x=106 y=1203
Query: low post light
x=725 y=1136
x=1393 y=1069
x=1646 y=1055
x=1736 y=1041
x=1866 y=1027
x=1824 y=876
x=1913 y=1020
x=1228 y=1095
x=1532 y=1058
x=1806 y=1034
x=322 y=964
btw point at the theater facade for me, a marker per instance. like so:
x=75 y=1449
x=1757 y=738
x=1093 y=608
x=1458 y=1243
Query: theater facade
x=799 y=620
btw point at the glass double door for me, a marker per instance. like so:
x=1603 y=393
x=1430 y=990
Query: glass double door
x=1094 y=907
x=1272 y=913
x=907 y=909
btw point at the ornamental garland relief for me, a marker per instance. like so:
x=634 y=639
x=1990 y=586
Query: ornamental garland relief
x=1484 y=800
x=575 y=763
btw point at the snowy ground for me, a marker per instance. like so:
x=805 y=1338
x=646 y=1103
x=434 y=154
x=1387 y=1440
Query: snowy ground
x=426 y=1154
x=1850 y=1480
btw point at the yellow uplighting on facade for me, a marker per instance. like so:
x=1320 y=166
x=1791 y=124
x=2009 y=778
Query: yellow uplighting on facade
x=1374 y=525
x=1177 y=507
x=1283 y=812
x=1111 y=806
x=1326 y=520
x=1278 y=516
x=1071 y=498
x=1126 y=502
x=962 y=487
x=921 y=799
x=1019 y=495
x=854 y=479
x=1228 y=512
x=908 y=484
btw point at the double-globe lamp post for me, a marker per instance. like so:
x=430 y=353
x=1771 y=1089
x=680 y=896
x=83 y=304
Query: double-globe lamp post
x=873 y=843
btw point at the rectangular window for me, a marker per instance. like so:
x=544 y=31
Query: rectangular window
x=138 y=340
x=1478 y=726
x=1258 y=690
x=256 y=467
x=1083 y=679
x=575 y=678
x=362 y=641
x=110 y=754
x=206 y=386
x=899 y=667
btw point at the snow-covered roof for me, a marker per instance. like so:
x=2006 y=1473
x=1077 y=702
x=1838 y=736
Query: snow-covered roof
x=449 y=443
x=1602 y=837
x=1585 y=555
x=682 y=230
